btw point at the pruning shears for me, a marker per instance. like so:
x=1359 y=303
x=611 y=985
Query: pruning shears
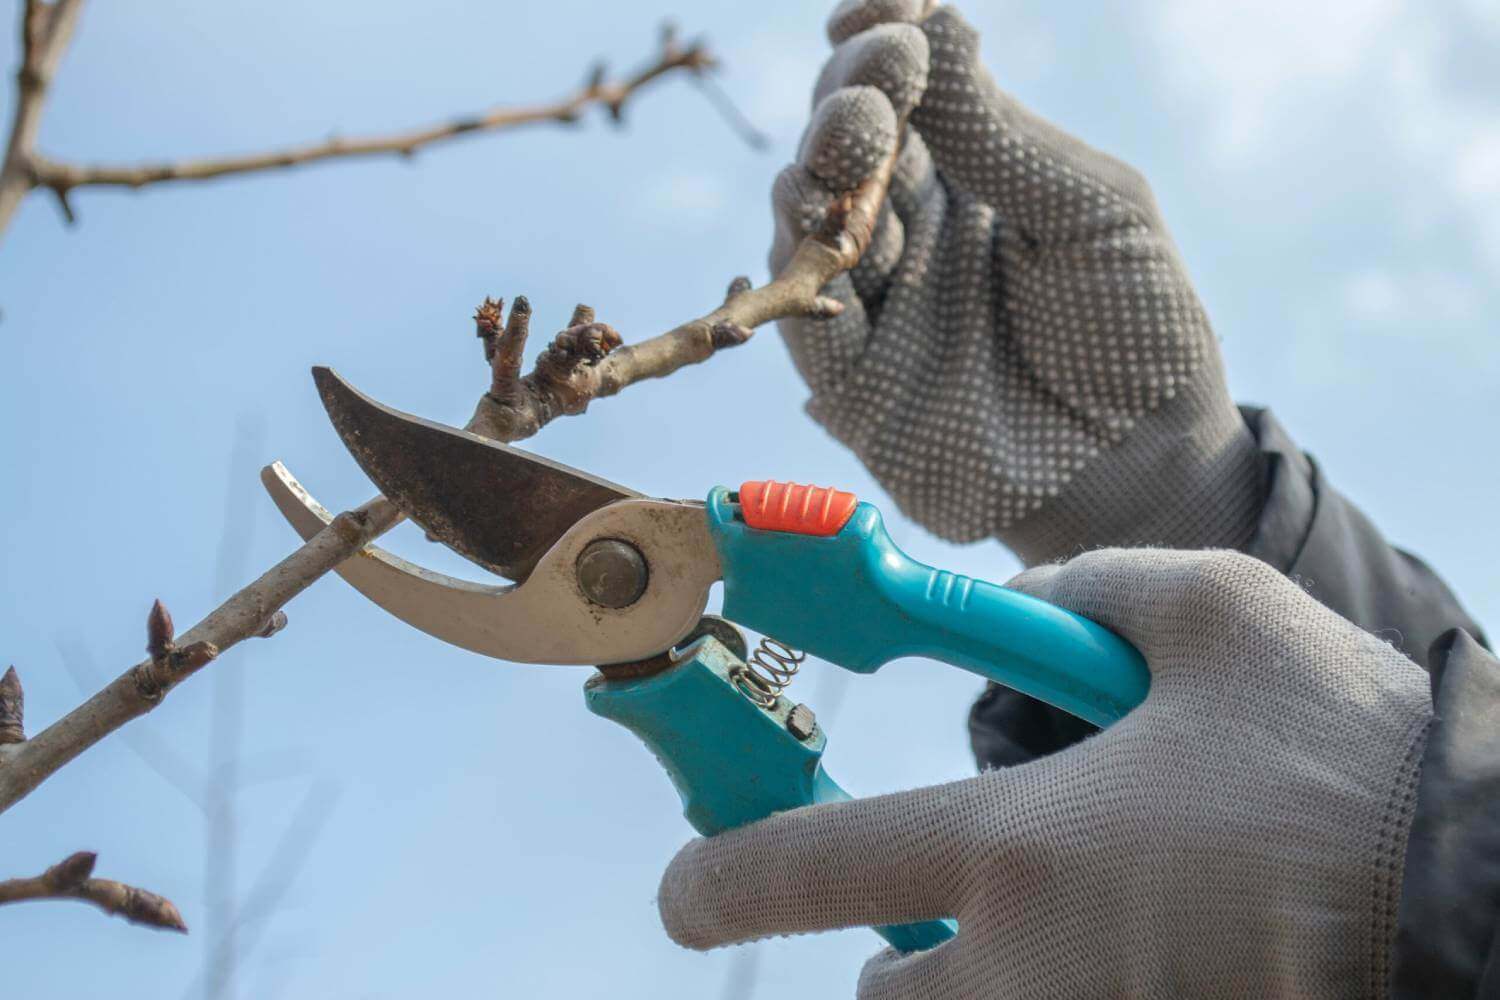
x=608 y=577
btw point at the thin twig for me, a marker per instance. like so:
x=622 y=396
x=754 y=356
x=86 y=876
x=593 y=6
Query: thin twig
x=155 y=752
x=24 y=766
x=72 y=878
x=46 y=29
x=572 y=373
x=221 y=854
x=61 y=178
x=239 y=937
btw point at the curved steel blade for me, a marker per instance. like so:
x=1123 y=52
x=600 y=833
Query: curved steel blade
x=545 y=619
x=499 y=506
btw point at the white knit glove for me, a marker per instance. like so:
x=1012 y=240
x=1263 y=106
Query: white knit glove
x=1240 y=834
x=1021 y=352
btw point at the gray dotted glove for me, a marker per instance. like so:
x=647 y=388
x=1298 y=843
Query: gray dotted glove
x=1241 y=833
x=1021 y=352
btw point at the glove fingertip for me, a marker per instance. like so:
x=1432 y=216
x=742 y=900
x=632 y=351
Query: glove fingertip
x=675 y=902
x=1036 y=581
x=853 y=16
x=892 y=57
x=853 y=131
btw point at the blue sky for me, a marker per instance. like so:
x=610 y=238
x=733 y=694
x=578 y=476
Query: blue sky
x=1332 y=175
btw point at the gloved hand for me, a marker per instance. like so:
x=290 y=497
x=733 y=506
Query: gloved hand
x=1021 y=352
x=1241 y=833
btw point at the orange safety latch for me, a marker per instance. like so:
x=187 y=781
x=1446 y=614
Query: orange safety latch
x=802 y=510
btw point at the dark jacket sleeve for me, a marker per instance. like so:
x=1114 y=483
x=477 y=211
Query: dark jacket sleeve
x=1448 y=924
x=1448 y=927
x=1308 y=531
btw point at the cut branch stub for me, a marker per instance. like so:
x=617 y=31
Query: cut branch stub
x=566 y=378
x=12 y=708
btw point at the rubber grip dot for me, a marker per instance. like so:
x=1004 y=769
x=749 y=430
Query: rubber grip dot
x=793 y=507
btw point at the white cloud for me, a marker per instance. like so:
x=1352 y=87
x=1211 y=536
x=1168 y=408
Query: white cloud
x=1420 y=303
x=1285 y=67
x=1477 y=167
x=1255 y=61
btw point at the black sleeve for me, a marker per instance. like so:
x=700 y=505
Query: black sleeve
x=1448 y=925
x=1308 y=531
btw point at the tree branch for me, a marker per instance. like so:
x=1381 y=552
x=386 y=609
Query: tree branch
x=249 y=613
x=582 y=364
x=71 y=879
x=585 y=361
x=46 y=29
x=62 y=178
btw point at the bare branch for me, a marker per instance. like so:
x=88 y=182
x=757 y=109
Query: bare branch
x=286 y=862
x=613 y=96
x=155 y=752
x=583 y=363
x=46 y=30
x=586 y=362
x=71 y=879
x=24 y=766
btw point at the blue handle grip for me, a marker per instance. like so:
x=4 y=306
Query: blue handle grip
x=732 y=761
x=857 y=600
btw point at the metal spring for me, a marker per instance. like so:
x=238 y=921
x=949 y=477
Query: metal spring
x=768 y=671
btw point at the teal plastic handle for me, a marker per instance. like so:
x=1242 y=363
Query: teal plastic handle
x=732 y=761
x=856 y=600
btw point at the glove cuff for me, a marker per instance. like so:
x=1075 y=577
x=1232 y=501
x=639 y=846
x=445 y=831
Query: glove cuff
x=1188 y=476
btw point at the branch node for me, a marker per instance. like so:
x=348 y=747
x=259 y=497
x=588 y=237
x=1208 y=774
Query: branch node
x=193 y=656
x=739 y=286
x=595 y=80
x=12 y=708
x=575 y=347
x=667 y=38
x=729 y=334
x=583 y=315
x=60 y=192
x=274 y=624
x=824 y=307
x=348 y=527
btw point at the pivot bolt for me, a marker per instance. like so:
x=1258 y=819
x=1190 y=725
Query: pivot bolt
x=611 y=573
x=801 y=722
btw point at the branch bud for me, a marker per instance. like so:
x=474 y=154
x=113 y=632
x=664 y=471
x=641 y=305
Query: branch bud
x=142 y=907
x=487 y=318
x=70 y=872
x=159 y=631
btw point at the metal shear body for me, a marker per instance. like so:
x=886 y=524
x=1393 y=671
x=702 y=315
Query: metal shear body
x=610 y=578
